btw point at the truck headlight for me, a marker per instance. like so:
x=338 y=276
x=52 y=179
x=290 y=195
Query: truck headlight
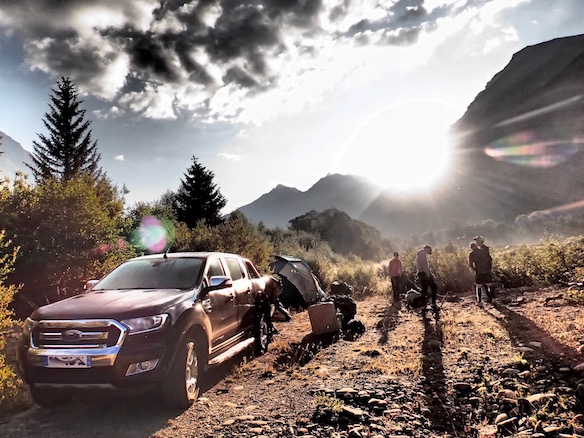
x=145 y=324
x=28 y=326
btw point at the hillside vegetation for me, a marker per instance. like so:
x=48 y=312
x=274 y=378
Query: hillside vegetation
x=60 y=260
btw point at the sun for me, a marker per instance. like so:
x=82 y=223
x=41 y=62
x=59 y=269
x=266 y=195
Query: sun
x=403 y=147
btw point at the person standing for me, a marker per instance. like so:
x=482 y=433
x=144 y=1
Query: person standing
x=395 y=273
x=425 y=275
x=473 y=262
x=483 y=268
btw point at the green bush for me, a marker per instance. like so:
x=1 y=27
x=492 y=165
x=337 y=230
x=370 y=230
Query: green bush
x=11 y=387
x=553 y=261
x=235 y=235
x=68 y=232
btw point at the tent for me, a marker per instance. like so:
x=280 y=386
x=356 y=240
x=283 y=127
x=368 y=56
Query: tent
x=301 y=288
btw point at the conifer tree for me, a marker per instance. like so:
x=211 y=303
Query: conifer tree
x=68 y=150
x=198 y=197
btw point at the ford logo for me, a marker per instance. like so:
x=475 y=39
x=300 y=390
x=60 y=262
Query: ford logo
x=71 y=335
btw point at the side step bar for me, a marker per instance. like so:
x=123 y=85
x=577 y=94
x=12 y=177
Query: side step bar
x=233 y=351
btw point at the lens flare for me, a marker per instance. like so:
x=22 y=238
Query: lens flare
x=534 y=149
x=152 y=234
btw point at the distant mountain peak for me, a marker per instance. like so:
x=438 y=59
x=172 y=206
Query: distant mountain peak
x=13 y=157
x=282 y=187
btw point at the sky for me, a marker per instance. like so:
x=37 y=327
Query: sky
x=265 y=92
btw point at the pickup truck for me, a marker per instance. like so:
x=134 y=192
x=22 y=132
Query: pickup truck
x=154 y=322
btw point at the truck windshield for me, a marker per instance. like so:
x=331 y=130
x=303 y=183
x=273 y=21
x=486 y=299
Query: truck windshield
x=172 y=273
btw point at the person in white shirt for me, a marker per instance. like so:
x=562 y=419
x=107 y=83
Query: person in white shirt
x=425 y=275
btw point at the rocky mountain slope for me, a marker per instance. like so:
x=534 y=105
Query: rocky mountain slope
x=13 y=157
x=347 y=193
x=519 y=150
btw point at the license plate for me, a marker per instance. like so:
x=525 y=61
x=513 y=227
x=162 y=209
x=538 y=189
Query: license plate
x=67 y=362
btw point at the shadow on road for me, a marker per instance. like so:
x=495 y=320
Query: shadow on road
x=303 y=352
x=523 y=330
x=389 y=320
x=433 y=371
x=108 y=414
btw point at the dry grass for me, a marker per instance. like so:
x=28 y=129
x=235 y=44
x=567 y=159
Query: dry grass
x=471 y=338
x=398 y=354
x=402 y=352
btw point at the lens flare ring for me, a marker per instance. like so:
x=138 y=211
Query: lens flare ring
x=151 y=234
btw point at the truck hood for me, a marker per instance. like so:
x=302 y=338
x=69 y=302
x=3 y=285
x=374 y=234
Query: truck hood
x=114 y=304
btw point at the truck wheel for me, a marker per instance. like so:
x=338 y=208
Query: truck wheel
x=261 y=335
x=183 y=387
x=49 y=397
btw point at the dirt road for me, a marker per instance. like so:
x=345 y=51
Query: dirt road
x=465 y=370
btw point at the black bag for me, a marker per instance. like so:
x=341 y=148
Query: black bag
x=345 y=305
x=338 y=288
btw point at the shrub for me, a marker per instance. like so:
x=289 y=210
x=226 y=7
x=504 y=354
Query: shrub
x=235 y=235
x=68 y=232
x=11 y=387
x=553 y=261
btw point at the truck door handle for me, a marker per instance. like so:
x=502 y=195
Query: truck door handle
x=231 y=296
x=206 y=303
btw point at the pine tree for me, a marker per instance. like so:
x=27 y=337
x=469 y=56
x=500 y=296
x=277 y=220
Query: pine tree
x=198 y=197
x=68 y=150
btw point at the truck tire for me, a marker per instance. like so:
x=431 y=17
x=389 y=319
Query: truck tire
x=183 y=386
x=49 y=397
x=261 y=334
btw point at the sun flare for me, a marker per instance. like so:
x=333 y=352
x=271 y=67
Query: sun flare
x=404 y=147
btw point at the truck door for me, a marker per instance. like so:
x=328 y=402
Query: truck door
x=258 y=286
x=243 y=293
x=219 y=305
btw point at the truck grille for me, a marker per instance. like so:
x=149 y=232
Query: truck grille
x=77 y=334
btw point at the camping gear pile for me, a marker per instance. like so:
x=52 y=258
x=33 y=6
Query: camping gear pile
x=301 y=290
x=414 y=299
x=300 y=286
x=341 y=303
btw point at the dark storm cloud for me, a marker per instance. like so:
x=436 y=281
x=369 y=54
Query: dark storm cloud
x=201 y=44
x=245 y=32
x=242 y=32
x=148 y=54
x=339 y=11
x=240 y=77
x=404 y=21
x=301 y=13
x=134 y=84
x=66 y=55
x=196 y=71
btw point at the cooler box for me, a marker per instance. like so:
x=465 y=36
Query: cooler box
x=323 y=318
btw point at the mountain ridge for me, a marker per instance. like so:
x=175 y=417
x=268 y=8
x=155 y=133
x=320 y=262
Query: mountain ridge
x=518 y=150
x=13 y=157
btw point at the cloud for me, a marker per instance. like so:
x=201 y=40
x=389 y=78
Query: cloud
x=119 y=158
x=230 y=157
x=208 y=58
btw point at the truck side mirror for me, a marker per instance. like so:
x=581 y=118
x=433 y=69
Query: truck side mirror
x=89 y=285
x=219 y=282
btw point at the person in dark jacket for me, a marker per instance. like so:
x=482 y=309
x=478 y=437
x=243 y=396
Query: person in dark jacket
x=395 y=274
x=425 y=275
x=481 y=263
x=274 y=288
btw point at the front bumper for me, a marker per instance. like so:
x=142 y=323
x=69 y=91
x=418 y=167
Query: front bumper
x=108 y=363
